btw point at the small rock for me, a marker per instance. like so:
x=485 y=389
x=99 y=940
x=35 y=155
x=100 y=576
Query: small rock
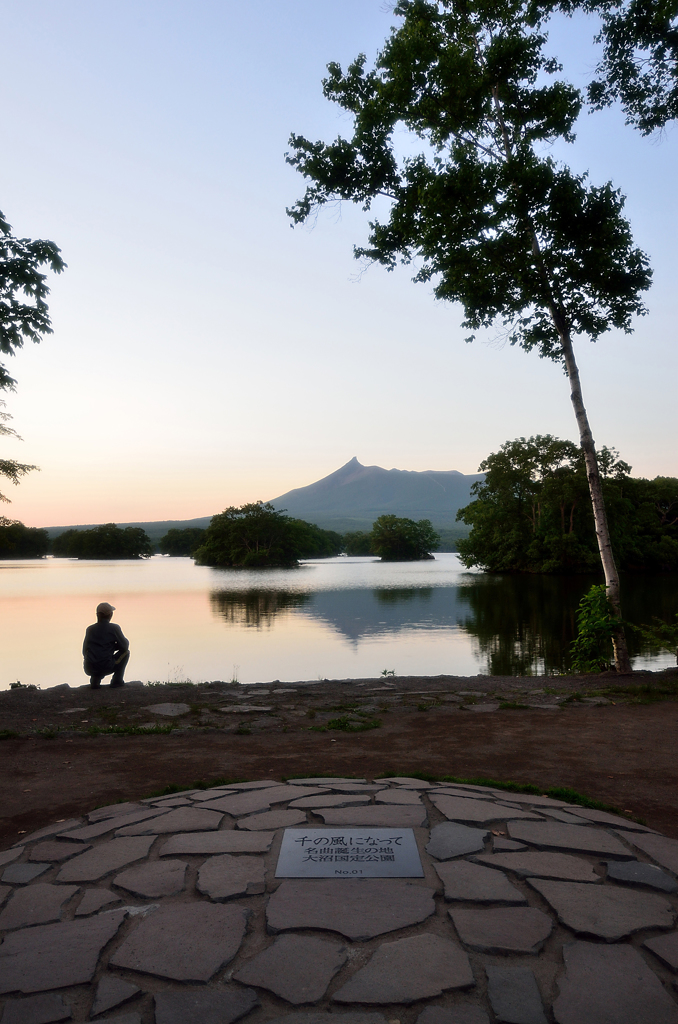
x=226 y=876
x=514 y=995
x=510 y=930
x=297 y=968
x=417 y=967
x=610 y=985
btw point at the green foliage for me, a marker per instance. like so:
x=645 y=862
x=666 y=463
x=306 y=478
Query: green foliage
x=107 y=541
x=490 y=218
x=10 y=468
x=19 y=541
x=532 y=512
x=181 y=542
x=358 y=543
x=596 y=623
x=259 y=536
x=23 y=291
x=403 y=540
x=347 y=724
x=23 y=686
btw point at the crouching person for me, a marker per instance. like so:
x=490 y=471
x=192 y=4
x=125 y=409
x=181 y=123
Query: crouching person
x=105 y=649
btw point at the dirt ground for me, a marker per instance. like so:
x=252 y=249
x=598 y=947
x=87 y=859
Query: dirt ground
x=68 y=751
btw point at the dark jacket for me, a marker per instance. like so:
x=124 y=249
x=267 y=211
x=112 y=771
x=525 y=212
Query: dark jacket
x=103 y=641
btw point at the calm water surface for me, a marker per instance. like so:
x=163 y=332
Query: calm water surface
x=332 y=618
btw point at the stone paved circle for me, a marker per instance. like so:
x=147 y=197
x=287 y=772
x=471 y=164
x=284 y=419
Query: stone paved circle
x=168 y=911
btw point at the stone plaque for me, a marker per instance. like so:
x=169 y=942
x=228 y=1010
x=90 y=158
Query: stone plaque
x=349 y=853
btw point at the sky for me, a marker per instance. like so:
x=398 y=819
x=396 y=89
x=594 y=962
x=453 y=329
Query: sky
x=204 y=354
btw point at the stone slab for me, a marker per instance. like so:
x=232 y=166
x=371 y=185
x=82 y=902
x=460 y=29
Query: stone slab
x=113 y=811
x=211 y=794
x=503 y=930
x=449 y=839
x=243 y=803
x=225 y=841
x=183 y=819
x=404 y=797
x=328 y=781
x=330 y=800
x=562 y=866
x=5 y=890
x=666 y=948
x=22 y=874
x=349 y=853
x=465 y=795
x=481 y=707
x=124 y=1018
x=177 y=801
x=154 y=879
x=7 y=856
x=465 y=881
x=634 y=872
x=112 y=991
x=56 y=852
x=36 y=904
x=360 y=909
x=264 y=784
x=100 y=828
x=183 y=941
x=604 y=910
x=103 y=859
x=213 y=1006
x=514 y=995
x=403 y=780
x=477 y=812
x=660 y=848
x=417 y=967
x=356 y=787
x=167 y=710
x=50 y=830
x=94 y=900
x=604 y=818
x=464 y=1014
x=297 y=968
x=610 y=985
x=53 y=956
x=43 y=1009
x=245 y=708
x=553 y=836
x=226 y=876
x=384 y=816
x=564 y=816
x=536 y=801
x=321 y=1017
x=500 y=845
x=272 y=820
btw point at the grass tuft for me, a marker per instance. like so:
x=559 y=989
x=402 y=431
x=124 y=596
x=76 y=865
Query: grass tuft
x=345 y=724
x=8 y=734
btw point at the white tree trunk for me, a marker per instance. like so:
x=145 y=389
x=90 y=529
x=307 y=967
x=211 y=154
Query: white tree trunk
x=621 y=654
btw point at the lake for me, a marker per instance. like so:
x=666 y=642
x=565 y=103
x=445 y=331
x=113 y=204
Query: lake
x=331 y=618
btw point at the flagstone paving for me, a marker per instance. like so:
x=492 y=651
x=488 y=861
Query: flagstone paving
x=168 y=911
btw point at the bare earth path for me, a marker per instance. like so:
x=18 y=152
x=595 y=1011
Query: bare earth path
x=621 y=753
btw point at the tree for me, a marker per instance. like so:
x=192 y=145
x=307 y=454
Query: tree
x=403 y=540
x=23 y=291
x=106 y=541
x=639 y=66
x=358 y=542
x=531 y=512
x=495 y=223
x=19 y=541
x=181 y=542
x=9 y=467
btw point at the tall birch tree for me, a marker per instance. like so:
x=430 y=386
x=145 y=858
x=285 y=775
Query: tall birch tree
x=487 y=216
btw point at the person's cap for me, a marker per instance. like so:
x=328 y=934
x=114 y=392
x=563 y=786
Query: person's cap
x=105 y=608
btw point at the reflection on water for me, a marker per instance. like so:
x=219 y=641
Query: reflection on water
x=333 y=618
x=256 y=608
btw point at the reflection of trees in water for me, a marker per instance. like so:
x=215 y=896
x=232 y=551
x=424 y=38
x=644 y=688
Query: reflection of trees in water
x=525 y=624
x=397 y=595
x=256 y=608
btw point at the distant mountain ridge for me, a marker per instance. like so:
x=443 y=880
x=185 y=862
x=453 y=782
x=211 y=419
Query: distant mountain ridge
x=351 y=498
x=355 y=495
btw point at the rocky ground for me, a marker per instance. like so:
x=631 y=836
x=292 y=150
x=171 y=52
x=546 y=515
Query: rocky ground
x=67 y=750
x=517 y=908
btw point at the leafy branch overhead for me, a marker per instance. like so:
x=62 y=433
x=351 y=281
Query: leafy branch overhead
x=493 y=222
